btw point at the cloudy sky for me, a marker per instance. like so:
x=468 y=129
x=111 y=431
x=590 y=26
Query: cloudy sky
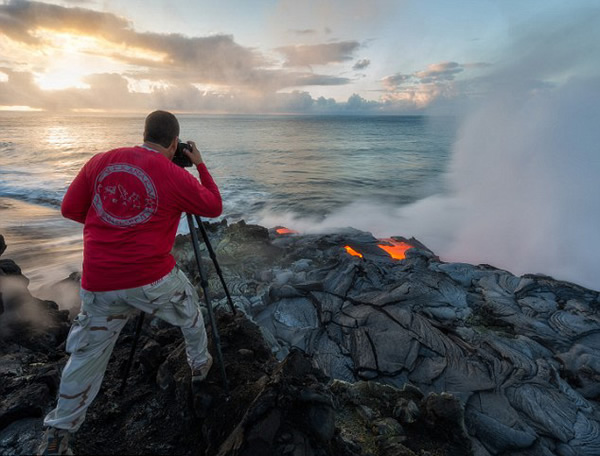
x=273 y=56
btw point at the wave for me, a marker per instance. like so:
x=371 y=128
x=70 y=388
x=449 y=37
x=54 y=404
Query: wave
x=13 y=171
x=41 y=197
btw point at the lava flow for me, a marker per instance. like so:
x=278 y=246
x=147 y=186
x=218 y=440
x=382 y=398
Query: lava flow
x=284 y=230
x=353 y=252
x=396 y=250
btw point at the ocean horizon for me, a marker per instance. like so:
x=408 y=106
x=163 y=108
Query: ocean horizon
x=283 y=169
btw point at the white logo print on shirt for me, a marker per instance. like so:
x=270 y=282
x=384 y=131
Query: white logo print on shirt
x=124 y=195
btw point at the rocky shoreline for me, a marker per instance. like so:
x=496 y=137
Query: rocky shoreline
x=331 y=354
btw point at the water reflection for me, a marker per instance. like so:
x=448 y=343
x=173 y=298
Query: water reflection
x=41 y=242
x=59 y=136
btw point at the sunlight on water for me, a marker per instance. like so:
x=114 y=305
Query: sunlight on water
x=59 y=137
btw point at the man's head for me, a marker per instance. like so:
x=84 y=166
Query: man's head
x=161 y=128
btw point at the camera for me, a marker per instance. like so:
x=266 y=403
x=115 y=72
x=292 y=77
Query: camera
x=180 y=158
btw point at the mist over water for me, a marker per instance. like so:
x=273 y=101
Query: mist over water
x=525 y=189
x=524 y=175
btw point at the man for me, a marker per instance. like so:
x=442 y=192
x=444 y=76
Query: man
x=130 y=201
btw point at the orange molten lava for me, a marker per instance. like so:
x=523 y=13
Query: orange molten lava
x=396 y=250
x=285 y=231
x=351 y=251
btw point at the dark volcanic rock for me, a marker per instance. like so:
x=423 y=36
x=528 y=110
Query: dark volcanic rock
x=9 y=267
x=519 y=353
x=292 y=414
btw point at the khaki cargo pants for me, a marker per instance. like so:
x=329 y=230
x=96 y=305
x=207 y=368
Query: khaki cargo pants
x=97 y=327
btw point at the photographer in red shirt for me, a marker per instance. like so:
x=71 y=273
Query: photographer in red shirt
x=130 y=201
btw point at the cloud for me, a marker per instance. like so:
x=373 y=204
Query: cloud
x=107 y=91
x=310 y=79
x=435 y=85
x=361 y=64
x=174 y=58
x=189 y=73
x=359 y=104
x=20 y=20
x=304 y=32
x=212 y=58
x=318 y=54
x=394 y=81
x=19 y=89
x=445 y=71
x=436 y=72
x=111 y=92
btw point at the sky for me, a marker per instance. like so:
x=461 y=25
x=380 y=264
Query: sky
x=274 y=56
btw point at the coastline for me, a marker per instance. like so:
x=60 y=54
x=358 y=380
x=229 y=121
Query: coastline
x=47 y=247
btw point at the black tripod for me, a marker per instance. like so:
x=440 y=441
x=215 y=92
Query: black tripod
x=204 y=285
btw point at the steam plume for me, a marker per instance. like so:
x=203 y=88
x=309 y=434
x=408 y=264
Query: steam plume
x=524 y=173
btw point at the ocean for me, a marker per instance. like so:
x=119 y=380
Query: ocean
x=270 y=169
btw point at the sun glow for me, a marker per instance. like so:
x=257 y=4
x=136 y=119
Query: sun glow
x=72 y=43
x=58 y=80
x=69 y=58
x=19 y=108
x=65 y=42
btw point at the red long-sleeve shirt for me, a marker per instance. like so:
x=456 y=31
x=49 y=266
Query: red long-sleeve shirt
x=130 y=201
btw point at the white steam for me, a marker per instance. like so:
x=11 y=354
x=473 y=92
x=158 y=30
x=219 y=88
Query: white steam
x=525 y=170
x=525 y=178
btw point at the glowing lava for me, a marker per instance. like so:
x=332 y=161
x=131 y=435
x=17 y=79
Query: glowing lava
x=396 y=250
x=353 y=252
x=284 y=230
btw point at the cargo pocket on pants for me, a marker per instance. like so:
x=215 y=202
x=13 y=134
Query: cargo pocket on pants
x=78 y=334
x=185 y=305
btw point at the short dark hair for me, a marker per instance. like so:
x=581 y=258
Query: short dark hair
x=161 y=127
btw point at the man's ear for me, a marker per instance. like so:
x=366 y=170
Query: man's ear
x=174 y=143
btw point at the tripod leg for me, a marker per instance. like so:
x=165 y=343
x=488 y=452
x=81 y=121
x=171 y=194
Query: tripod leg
x=138 y=331
x=213 y=257
x=211 y=316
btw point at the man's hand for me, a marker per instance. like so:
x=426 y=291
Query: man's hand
x=194 y=155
